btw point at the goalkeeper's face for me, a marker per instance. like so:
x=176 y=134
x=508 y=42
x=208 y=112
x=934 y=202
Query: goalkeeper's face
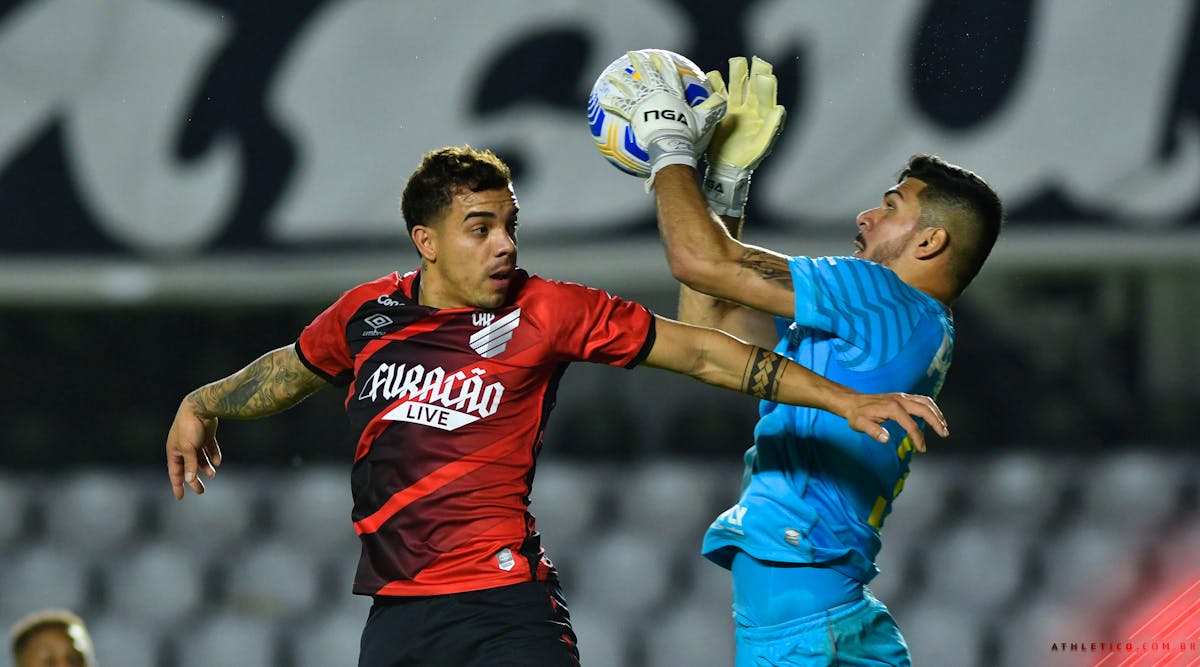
x=475 y=246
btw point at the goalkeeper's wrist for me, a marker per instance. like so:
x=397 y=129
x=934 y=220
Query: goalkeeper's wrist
x=668 y=149
x=726 y=189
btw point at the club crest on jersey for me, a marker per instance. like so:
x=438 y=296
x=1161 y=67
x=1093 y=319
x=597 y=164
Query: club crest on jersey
x=493 y=338
x=433 y=398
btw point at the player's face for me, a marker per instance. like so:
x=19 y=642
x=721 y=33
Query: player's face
x=884 y=232
x=477 y=247
x=51 y=647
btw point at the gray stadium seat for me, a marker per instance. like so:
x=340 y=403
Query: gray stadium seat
x=1025 y=636
x=328 y=641
x=41 y=576
x=1137 y=490
x=92 y=512
x=621 y=573
x=122 y=643
x=272 y=580
x=226 y=639
x=156 y=585
x=938 y=634
x=710 y=585
x=976 y=567
x=1016 y=489
x=923 y=499
x=670 y=500
x=691 y=635
x=603 y=638
x=312 y=509
x=566 y=503
x=1091 y=565
x=214 y=522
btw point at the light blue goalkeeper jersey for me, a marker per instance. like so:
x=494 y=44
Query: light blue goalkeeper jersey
x=815 y=490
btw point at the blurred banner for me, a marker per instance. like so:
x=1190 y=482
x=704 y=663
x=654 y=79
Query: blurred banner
x=151 y=128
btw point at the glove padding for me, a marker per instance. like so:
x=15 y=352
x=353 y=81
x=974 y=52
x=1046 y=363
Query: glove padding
x=745 y=135
x=653 y=101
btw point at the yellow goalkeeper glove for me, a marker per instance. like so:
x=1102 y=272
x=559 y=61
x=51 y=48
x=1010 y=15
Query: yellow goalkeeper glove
x=752 y=123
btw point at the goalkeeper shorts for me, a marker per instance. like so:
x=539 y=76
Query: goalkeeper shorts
x=854 y=634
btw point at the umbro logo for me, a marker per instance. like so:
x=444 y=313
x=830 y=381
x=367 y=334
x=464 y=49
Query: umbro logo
x=493 y=339
x=376 y=321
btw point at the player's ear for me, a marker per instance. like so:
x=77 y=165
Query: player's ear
x=425 y=238
x=931 y=242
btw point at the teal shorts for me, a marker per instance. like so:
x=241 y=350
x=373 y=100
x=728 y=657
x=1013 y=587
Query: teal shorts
x=853 y=634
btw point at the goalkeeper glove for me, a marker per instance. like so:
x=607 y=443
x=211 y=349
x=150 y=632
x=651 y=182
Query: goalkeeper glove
x=652 y=100
x=744 y=137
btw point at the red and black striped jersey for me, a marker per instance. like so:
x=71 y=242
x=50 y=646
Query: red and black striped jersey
x=448 y=407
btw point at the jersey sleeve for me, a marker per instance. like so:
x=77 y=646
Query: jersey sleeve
x=322 y=345
x=864 y=305
x=592 y=325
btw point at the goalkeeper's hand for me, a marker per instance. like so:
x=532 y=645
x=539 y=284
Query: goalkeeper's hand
x=744 y=137
x=653 y=101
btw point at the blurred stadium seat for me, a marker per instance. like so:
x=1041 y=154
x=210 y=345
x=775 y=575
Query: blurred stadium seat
x=123 y=643
x=566 y=501
x=156 y=585
x=311 y=510
x=42 y=576
x=328 y=641
x=92 y=511
x=604 y=638
x=691 y=634
x=940 y=634
x=622 y=572
x=272 y=580
x=1019 y=489
x=976 y=567
x=214 y=522
x=227 y=639
x=667 y=499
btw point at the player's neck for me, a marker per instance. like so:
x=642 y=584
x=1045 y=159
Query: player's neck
x=432 y=290
x=932 y=284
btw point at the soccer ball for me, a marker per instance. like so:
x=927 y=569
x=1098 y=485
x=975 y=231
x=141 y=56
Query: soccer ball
x=612 y=134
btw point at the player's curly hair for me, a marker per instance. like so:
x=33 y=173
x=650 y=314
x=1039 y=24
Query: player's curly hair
x=443 y=172
x=963 y=204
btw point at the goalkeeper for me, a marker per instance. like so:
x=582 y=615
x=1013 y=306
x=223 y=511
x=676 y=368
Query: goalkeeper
x=802 y=539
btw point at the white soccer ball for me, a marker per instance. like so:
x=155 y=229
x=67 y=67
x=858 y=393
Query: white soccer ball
x=612 y=134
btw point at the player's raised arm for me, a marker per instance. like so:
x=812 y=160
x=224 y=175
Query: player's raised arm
x=272 y=383
x=719 y=359
x=701 y=252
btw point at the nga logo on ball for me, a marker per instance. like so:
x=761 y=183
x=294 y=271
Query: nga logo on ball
x=612 y=134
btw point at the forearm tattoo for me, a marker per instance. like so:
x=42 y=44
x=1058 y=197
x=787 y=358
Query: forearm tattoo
x=271 y=383
x=764 y=374
x=771 y=267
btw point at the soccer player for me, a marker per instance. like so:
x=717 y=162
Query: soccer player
x=51 y=638
x=450 y=374
x=802 y=539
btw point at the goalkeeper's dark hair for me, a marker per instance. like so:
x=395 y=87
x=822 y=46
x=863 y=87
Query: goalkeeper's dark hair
x=963 y=204
x=61 y=619
x=444 y=172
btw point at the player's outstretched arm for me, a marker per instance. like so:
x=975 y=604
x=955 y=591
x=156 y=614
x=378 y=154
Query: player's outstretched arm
x=272 y=383
x=719 y=359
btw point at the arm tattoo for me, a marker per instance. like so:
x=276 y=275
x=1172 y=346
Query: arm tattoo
x=270 y=384
x=763 y=374
x=771 y=267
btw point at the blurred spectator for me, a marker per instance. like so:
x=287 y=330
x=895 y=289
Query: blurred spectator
x=51 y=638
